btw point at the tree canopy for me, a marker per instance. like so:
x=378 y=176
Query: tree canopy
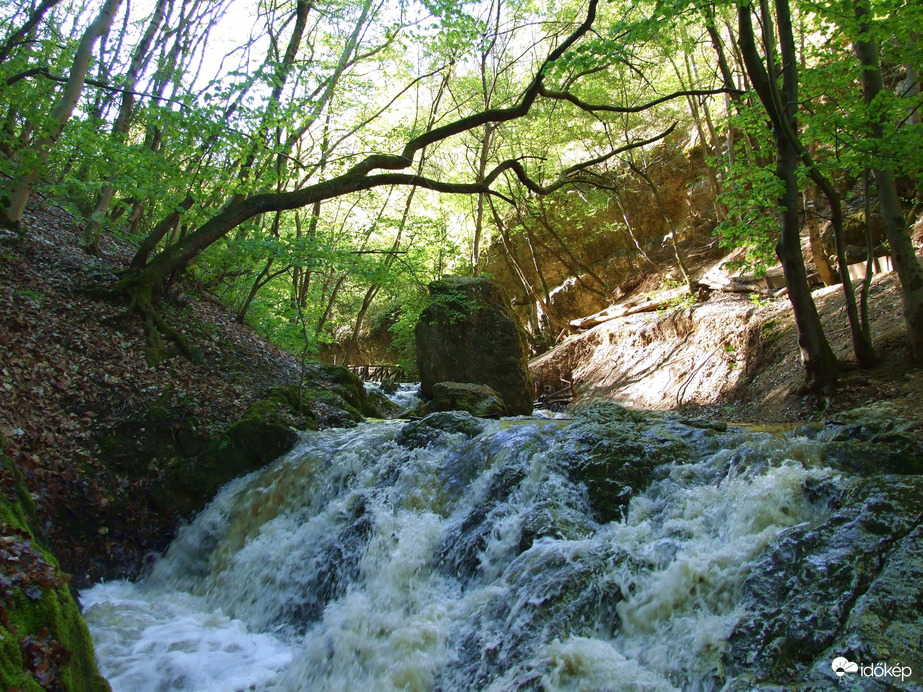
x=316 y=162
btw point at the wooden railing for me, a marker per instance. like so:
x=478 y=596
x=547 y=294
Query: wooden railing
x=377 y=373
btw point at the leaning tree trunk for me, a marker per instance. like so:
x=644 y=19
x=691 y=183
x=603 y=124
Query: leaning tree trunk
x=820 y=364
x=375 y=170
x=895 y=225
x=38 y=157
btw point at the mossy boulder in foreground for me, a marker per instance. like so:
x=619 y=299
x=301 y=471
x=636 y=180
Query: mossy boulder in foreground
x=44 y=641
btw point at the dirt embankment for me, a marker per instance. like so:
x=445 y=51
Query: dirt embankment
x=74 y=383
x=733 y=358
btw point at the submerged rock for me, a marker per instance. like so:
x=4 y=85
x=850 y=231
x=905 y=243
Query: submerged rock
x=476 y=399
x=548 y=593
x=468 y=334
x=431 y=428
x=614 y=452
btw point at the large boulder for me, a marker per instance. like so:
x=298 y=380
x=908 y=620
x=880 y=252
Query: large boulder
x=468 y=334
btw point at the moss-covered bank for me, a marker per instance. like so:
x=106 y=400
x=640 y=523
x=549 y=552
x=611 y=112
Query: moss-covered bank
x=44 y=642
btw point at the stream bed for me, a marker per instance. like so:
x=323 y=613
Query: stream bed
x=617 y=550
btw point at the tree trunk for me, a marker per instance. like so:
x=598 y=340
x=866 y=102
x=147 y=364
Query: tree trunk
x=895 y=225
x=814 y=237
x=818 y=359
x=38 y=158
x=140 y=286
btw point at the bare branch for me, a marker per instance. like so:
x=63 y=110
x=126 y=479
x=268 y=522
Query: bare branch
x=596 y=108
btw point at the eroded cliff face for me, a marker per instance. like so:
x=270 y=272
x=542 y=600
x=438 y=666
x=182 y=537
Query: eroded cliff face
x=660 y=359
x=566 y=256
x=731 y=357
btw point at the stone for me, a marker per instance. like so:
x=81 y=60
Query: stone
x=476 y=399
x=616 y=451
x=468 y=334
x=423 y=432
x=850 y=586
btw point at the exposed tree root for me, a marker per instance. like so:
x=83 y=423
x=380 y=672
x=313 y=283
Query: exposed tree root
x=140 y=292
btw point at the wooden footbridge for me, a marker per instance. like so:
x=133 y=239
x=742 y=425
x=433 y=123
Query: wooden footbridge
x=377 y=373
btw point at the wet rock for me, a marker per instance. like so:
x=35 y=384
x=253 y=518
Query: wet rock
x=330 y=567
x=383 y=406
x=505 y=504
x=468 y=334
x=419 y=410
x=871 y=440
x=345 y=384
x=613 y=452
x=476 y=399
x=849 y=586
x=265 y=432
x=431 y=428
x=389 y=386
x=550 y=592
x=466 y=539
x=549 y=519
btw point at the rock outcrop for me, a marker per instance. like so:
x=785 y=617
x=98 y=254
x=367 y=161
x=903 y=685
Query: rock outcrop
x=468 y=334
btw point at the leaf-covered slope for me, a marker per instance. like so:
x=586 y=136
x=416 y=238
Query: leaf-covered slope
x=74 y=386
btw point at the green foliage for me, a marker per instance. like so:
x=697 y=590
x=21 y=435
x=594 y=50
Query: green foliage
x=215 y=132
x=751 y=193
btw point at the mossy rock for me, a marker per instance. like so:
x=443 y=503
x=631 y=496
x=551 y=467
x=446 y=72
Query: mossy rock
x=44 y=641
x=331 y=397
x=469 y=334
x=434 y=427
x=385 y=407
x=347 y=385
x=266 y=431
x=476 y=399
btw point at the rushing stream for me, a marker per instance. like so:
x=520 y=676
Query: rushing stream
x=463 y=554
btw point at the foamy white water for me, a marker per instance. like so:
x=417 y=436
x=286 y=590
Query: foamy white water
x=375 y=559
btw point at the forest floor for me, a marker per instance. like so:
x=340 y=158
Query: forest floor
x=72 y=369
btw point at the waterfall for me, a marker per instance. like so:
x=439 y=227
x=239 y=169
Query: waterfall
x=462 y=554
